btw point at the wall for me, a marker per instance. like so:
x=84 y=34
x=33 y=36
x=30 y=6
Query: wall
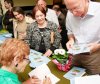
x=98 y=0
x=29 y=2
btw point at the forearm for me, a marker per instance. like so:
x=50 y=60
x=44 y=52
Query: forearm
x=57 y=40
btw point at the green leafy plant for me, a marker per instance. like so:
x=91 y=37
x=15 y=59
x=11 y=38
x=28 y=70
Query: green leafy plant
x=60 y=55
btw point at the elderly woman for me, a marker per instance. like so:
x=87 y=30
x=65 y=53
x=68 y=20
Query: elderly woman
x=42 y=35
x=20 y=23
x=13 y=57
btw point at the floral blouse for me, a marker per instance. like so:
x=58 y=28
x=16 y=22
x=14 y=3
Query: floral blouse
x=33 y=35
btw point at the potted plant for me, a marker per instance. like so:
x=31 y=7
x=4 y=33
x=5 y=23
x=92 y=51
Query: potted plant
x=62 y=59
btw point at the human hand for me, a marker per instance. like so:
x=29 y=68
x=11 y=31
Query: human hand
x=47 y=81
x=35 y=80
x=48 y=53
x=94 y=47
x=22 y=35
x=32 y=80
x=69 y=44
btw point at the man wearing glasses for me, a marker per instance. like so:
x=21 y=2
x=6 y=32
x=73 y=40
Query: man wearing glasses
x=83 y=27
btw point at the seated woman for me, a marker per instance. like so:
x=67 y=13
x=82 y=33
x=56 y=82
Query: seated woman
x=42 y=35
x=13 y=57
x=20 y=23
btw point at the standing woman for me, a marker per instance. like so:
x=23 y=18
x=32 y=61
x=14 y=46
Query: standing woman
x=42 y=35
x=20 y=23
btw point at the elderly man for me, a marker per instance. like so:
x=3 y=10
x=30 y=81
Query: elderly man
x=83 y=27
x=50 y=14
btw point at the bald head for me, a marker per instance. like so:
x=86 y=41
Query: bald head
x=71 y=2
x=77 y=7
x=42 y=3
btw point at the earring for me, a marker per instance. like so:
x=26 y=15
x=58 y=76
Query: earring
x=16 y=65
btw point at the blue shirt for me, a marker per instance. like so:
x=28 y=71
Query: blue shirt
x=7 y=77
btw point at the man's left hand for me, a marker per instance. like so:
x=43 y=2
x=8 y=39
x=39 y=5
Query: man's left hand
x=94 y=47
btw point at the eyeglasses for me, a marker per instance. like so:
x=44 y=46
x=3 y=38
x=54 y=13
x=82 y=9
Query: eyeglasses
x=26 y=59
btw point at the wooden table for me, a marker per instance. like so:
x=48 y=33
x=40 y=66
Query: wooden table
x=24 y=76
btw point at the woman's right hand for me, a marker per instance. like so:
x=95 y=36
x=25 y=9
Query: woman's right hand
x=47 y=80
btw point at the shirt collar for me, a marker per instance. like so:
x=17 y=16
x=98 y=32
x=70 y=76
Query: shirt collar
x=91 y=11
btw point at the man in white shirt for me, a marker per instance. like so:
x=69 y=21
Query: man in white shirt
x=83 y=27
x=50 y=15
